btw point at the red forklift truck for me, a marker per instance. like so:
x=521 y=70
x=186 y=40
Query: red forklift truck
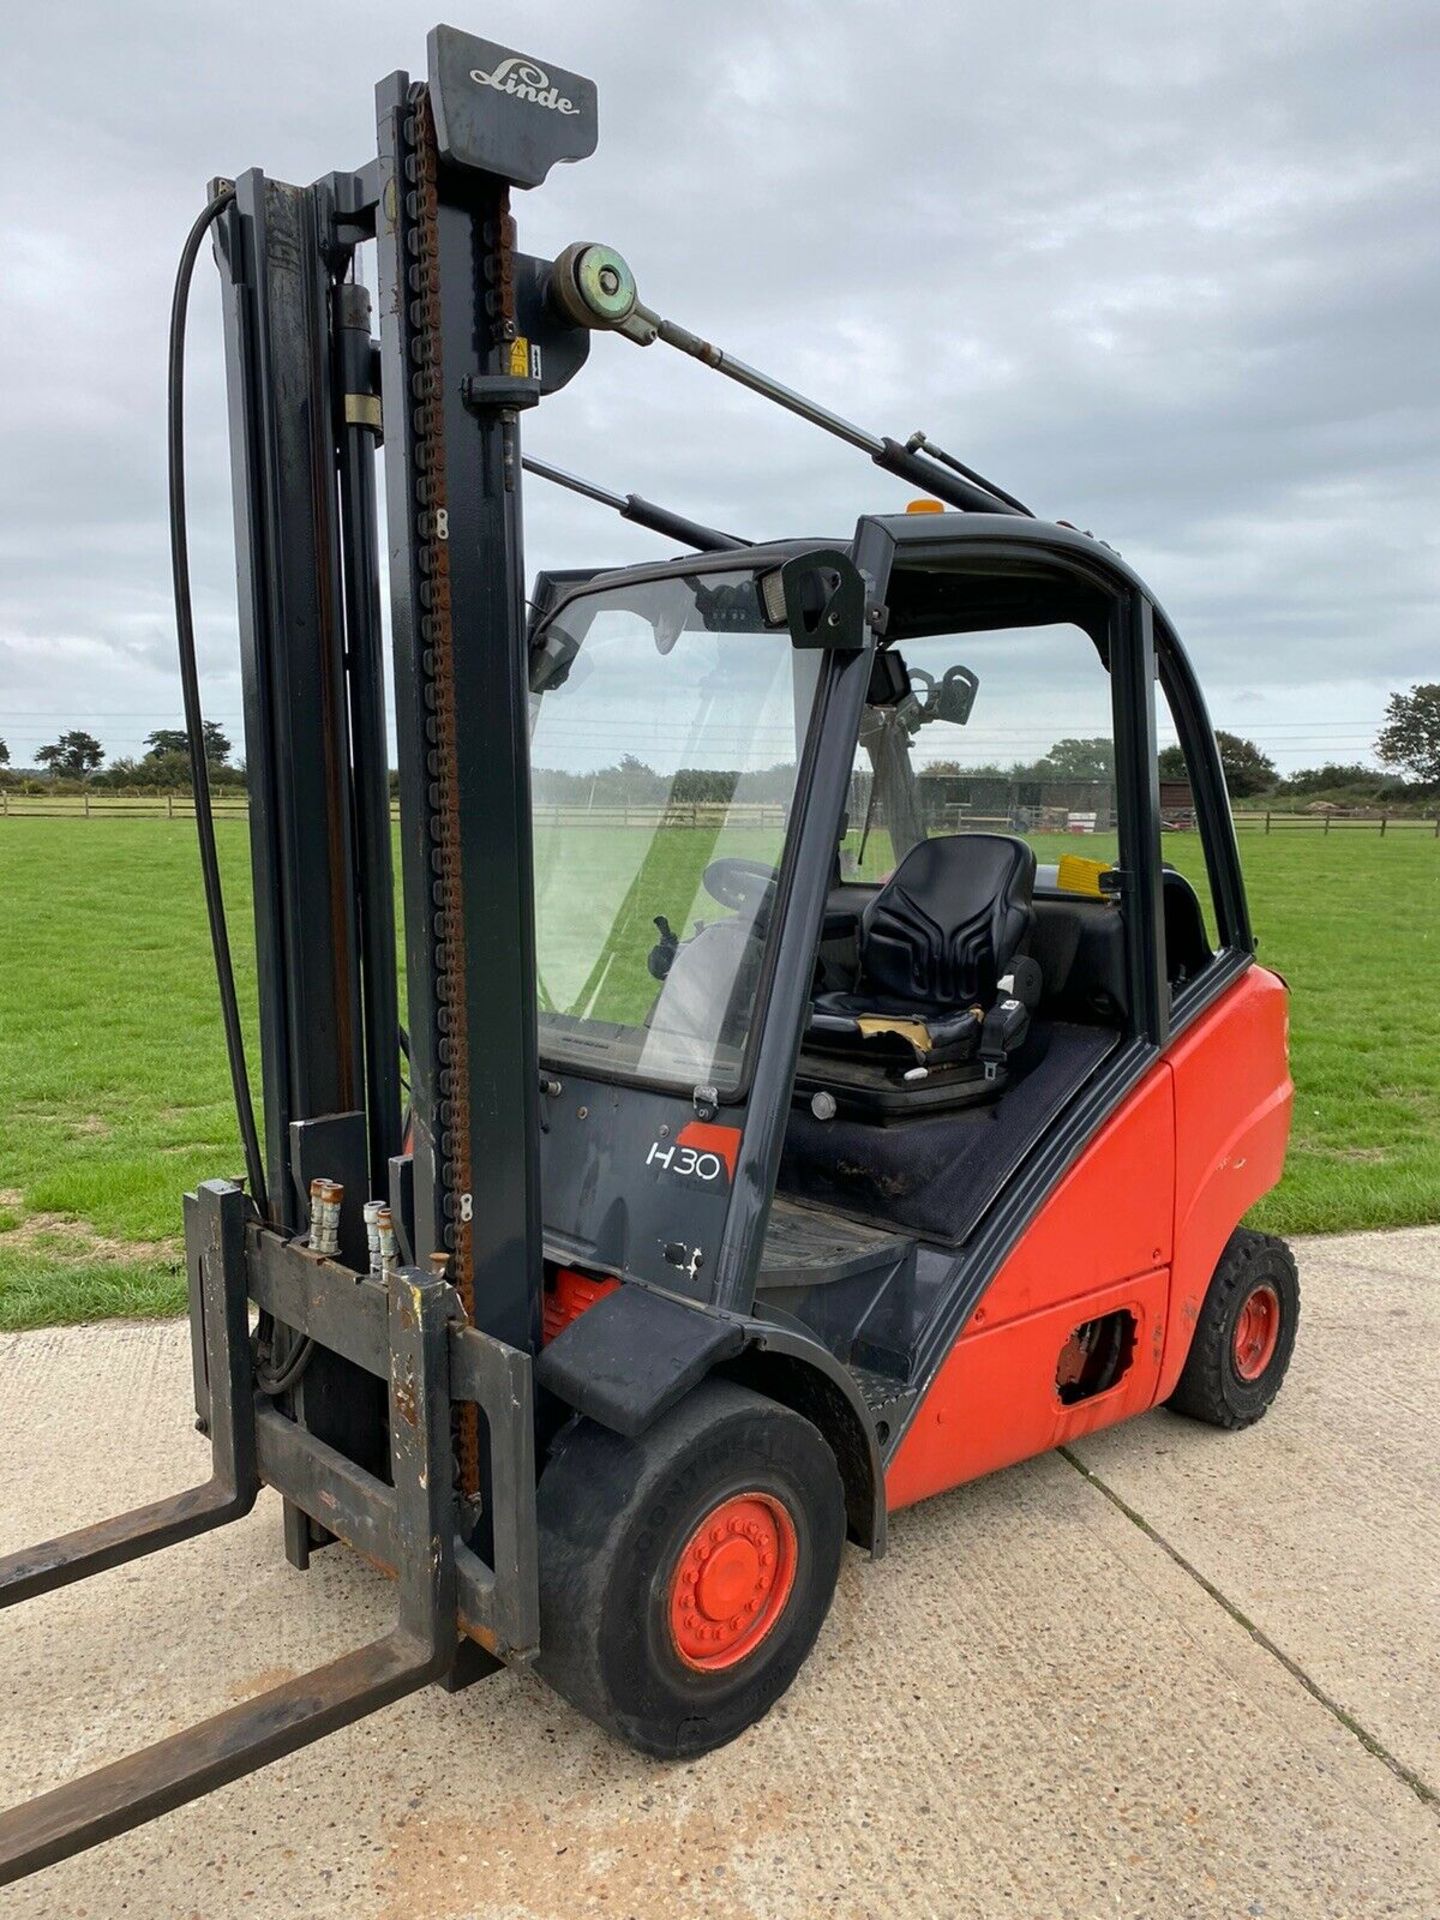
x=779 y=1137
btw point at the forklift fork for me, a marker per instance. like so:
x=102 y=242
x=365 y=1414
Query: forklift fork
x=404 y=1329
x=230 y=1492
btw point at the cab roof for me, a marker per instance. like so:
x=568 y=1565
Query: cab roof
x=1035 y=572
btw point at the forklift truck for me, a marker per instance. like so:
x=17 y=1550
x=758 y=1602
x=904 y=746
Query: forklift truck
x=692 y=1252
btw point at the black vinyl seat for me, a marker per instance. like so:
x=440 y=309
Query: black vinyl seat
x=935 y=944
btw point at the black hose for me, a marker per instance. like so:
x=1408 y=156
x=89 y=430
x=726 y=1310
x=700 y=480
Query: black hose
x=194 y=720
x=273 y=1383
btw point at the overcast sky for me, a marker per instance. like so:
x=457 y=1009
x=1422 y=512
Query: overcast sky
x=1168 y=273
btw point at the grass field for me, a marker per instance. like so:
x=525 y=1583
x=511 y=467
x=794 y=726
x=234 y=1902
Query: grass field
x=114 y=1097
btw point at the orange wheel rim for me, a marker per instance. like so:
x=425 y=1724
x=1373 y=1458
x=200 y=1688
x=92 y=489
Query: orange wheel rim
x=1257 y=1333
x=732 y=1581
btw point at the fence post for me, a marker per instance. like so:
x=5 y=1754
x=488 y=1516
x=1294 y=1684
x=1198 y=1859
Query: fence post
x=1267 y=819
x=1327 y=823
x=86 y=798
x=1384 y=822
x=169 y=806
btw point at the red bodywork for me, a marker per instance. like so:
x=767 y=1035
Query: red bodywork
x=1136 y=1226
x=568 y=1294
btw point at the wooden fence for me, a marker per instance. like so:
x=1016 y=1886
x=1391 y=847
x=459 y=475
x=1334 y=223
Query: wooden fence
x=180 y=806
x=1382 y=823
x=114 y=806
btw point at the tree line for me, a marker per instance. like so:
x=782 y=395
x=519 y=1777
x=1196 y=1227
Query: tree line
x=78 y=756
x=1408 y=743
x=630 y=782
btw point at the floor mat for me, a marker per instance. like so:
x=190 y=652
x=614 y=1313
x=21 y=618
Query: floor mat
x=935 y=1176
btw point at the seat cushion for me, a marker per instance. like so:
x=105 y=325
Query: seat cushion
x=855 y=1004
x=848 y=1020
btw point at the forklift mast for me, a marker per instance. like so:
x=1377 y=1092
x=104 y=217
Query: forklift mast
x=467 y=342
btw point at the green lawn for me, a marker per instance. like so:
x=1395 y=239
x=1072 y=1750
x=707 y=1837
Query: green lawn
x=113 y=1091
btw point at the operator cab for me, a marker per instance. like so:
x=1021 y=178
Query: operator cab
x=975 y=955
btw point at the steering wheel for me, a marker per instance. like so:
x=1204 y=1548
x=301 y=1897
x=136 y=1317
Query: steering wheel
x=747 y=887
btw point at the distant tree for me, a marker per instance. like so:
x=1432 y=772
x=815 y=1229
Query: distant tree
x=1335 y=775
x=165 y=773
x=75 y=755
x=1247 y=770
x=126 y=772
x=1071 y=759
x=630 y=779
x=170 y=740
x=693 y=785
x=4 y=754
x=1410 y=737
x=163 y=770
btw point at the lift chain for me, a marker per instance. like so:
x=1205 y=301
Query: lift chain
x=442 y=814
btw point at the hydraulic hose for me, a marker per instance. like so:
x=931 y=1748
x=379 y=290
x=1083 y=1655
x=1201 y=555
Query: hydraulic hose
x=194 y=719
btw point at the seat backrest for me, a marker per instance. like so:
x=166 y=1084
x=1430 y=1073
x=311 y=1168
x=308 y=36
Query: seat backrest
x=950 y=919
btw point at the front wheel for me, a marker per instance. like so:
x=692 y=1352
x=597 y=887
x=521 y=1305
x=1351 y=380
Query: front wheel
x=1244 y=1336
x=685 y=1573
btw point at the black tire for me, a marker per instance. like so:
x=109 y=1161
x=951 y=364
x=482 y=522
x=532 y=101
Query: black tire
x=1215 y=1385
x=617 y=1515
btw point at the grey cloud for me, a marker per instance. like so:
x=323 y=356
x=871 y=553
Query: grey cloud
x=1171 y=274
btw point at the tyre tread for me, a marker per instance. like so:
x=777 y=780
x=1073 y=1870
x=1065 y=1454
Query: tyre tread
x=1204 y=1390
x=591 y=1492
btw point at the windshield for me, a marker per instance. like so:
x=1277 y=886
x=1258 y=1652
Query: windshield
x=666 y=725
x=994 y=732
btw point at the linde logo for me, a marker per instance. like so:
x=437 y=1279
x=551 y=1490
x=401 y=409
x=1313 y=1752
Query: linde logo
x=525 y=81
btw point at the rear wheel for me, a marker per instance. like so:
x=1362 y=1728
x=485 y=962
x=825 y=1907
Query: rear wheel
x=1244 y=1336
x=685 y=1574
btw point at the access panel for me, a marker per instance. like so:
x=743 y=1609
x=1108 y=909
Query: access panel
x=1100 y=1245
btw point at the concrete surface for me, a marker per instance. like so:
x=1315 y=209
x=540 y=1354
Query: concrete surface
x=1029 y=1709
